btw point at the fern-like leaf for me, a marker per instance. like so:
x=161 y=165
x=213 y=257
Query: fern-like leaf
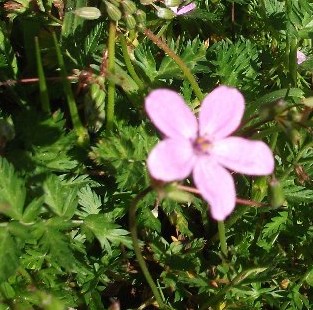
x=106 y=232
x=9 y=255
x=12 y=191
x=60 y=199
x=125 y=152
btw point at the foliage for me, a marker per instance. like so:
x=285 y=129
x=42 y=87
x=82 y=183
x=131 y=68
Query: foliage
x=66 y=192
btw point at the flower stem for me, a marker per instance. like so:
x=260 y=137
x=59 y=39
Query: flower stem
x=140 y=259
x=222 y=236
x=128 y=62
x=111 y=84
x=162 y=45
x=43 y=90
x=83 y=137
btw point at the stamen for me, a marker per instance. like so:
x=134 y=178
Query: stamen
x=202 y=145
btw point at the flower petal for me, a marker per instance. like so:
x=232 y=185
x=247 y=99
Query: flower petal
x=301 y=57
x=221 y=112
x=187 y=8
x=170 y=114
x=244 y=156
x=216 y=186
x=171 y=160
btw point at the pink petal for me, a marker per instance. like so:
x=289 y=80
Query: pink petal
x=221 y=113
x=301 y=57
x=244 y=156
x=174 y=9
x=187 y=8
x=171 y=160
x=170 y=114
x=216 y=186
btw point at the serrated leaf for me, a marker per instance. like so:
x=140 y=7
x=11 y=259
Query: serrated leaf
x=192 y=53
x=92 y=40
x=235 y=64
x=107 y=232
x=62 y=200
x=8 y=62
x=12 y=191
x=32 y=210
x=296 y=193
x=9 y=255
x=126 y=152
x=91 y=203
x=56 y=244
x=277 y=224
x=145 y=59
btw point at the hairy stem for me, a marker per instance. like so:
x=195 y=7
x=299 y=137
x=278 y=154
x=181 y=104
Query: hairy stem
x=162 y=45
x=128 y=62
x=222 y=236
x=140 y=259
x=83 y=138
x=111 y=84
x=43 y=90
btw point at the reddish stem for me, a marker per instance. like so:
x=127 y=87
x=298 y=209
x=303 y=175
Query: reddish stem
x=242 y=201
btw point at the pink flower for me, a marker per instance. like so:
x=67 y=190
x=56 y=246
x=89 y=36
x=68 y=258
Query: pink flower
x=301 y=57
x=203 y=147
x=184 y=10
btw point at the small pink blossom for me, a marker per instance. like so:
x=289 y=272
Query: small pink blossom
x=184 y=10
x=301 y=57
x=203 y=147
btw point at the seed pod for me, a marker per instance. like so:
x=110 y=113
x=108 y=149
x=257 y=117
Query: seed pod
x=129 y=6
x=88 y=12
x=114 y=13
x=94 y=91
x=94 y=107
x=115 y=3
x=146 y=2
x=276 y=193
x=165 y=13
x=172 y=3
x=141 y=16
x=130 y=21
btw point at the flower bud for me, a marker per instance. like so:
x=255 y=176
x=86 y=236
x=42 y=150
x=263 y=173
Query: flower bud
x=165 y=13
x=113 y=12
x=141 y=16
x=129 y=6
x=88 y=12
x=276 y=193
x=130 y=21
x=172 y=3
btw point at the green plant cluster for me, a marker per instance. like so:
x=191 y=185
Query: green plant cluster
x=74 y=139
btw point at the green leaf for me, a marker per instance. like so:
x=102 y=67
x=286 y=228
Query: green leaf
x=47 y=144
x=12 y=191
x=191 y=52
x=107 y=232
x=62 y=200
x=277 y=224
x=9 y=255
x=32 y=210
x=91 y=203
x=8 y=63
x=235 y=64
x=55 y=243
x=93 y=39
x=146 y=61
x=125 y=153
x=72 y=22
x=297 y=194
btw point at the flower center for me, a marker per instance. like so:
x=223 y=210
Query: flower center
x=202 y=145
